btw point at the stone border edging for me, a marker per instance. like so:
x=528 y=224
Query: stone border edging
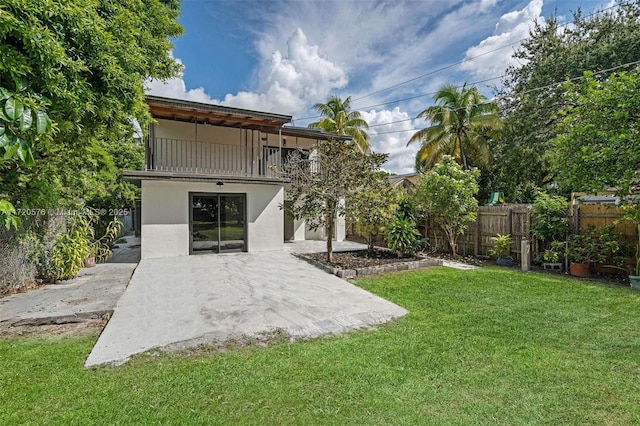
x=372 y=270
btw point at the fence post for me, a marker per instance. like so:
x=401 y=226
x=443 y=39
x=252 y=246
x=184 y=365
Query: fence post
x=525 y=255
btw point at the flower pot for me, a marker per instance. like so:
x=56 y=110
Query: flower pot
x=634 y=280
x=504 y=261
x=580 y=269
x=90 y=262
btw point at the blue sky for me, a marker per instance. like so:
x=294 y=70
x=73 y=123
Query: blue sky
x=285 y=56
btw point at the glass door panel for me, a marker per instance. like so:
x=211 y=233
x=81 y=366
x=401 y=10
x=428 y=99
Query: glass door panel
x=218 y=223
x=205 y=224
x=232 y=222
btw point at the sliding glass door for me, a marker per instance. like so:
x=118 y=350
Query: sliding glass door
x=218 y=223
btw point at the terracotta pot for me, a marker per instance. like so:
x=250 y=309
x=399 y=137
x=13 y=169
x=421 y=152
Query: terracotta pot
x=580 y=269
x=90 y=262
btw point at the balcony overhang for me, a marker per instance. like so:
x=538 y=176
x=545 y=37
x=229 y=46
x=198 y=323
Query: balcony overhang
x=137 y=176
x=217 y=115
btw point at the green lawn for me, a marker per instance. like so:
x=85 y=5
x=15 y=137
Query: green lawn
x=479 y=347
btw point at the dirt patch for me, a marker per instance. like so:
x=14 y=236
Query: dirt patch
x=80 y=324
x=357 y=259
x=82 y=328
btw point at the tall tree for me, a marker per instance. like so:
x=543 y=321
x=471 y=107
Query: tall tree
x=321 y=184
x=598 y=143
x=88 y=61
x=533 y=94
x=338 y=118
x=462 y=122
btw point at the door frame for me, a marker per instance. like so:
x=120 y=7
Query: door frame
x=217 y=194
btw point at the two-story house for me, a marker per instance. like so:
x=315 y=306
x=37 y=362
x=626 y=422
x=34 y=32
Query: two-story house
x=213 y=180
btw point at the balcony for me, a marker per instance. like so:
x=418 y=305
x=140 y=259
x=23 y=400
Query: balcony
x=208 y=158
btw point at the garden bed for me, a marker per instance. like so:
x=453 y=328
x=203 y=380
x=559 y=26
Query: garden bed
x=349 y=264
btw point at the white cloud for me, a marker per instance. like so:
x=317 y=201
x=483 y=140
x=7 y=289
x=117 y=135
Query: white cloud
x=289 y=83
x=177 y=89
x=487 y=4
x=389 y=132
x=495 y=52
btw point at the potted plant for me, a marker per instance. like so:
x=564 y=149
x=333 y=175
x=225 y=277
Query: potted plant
x=502 y=249
x=590 y=247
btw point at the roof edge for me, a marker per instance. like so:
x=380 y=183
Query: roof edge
x=182 y=103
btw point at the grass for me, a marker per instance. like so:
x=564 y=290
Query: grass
x=491 y=346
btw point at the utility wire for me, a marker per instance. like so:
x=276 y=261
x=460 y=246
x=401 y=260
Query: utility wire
x=453 y=65
x=535 y=89
x=475 y=57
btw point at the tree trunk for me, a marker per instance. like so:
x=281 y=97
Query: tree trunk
x=329 y=228
x=463 y=156
x=330 y=219
x=371 y=243
x=452 y=242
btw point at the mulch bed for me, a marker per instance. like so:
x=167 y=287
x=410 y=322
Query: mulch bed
x=360 y=258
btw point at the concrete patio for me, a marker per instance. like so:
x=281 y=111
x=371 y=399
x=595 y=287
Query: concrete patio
x=181 y=302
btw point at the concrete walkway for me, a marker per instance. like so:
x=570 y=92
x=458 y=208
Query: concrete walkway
x=89 y=295
x=181 y=302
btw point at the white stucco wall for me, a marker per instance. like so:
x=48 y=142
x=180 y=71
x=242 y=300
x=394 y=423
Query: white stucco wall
x=165 y=215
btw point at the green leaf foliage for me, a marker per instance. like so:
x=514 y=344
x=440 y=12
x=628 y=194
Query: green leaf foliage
x=338 y=118
x=333 y=173
x=533 y=95
x=446 y=193
x=550 y=216
x=13 y=109
x=598 y=144
x=402 y=236
x=373 y=206
x=75 y=71
x=461 y=125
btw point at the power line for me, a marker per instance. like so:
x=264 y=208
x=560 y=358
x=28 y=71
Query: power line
x=535 y=89
x=453 y=65
x=475 y=57
x=411 y=97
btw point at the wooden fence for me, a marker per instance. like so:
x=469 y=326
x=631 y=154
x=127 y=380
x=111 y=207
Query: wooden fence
x=516 y=220
x=597 y=215
x=513 y=219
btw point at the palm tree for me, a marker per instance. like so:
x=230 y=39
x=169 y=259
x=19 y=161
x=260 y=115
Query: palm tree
x=337 y=117
x=462 y=122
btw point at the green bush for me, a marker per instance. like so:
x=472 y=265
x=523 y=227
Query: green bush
x=550 y=221
x=502 y=245
x=402 y=236
x=79 y=243
x=594 y=245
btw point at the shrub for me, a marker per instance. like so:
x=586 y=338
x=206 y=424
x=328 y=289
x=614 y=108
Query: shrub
x=446 y=194
x=17 y=270
x=594 y=245
x=78 y=243
x=502 y=245
x=549 y=214
x=402 y=236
